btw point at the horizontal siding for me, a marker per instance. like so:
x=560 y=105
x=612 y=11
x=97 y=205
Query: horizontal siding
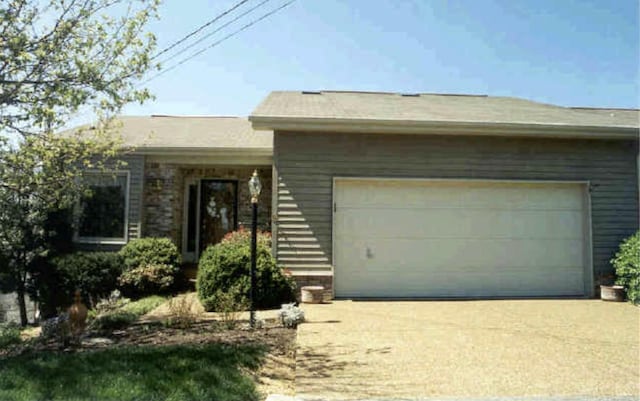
x=306 y=164
x=135 y=165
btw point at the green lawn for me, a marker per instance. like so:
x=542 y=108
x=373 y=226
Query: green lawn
x=181 y=373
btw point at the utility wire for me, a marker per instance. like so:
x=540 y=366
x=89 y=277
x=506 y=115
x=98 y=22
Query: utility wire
x=216 y=43
x=217 y=17
x=181 y=51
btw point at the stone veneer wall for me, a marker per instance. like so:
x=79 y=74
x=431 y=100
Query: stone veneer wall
x=10 y=311
x=164 y=186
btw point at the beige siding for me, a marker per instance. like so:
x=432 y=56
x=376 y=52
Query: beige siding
x=305 y=164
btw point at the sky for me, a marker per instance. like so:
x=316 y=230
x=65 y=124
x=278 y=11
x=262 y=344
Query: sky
x=563 y=52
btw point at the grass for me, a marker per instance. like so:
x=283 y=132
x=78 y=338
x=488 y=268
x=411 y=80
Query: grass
x=181 y=372
x=144 y=305
x=128 y=313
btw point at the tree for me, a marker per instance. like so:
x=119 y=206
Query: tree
x=61 y=55
x=56 y=58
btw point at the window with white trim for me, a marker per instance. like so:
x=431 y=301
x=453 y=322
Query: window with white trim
x=102 y=216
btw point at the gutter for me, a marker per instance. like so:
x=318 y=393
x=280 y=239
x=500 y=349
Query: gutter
x=443 y=128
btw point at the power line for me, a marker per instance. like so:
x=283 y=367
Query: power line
x=216 y=43
x=216 y=18
x=181 y=51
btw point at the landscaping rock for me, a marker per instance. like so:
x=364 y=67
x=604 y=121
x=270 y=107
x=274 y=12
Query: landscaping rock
x=97 y=341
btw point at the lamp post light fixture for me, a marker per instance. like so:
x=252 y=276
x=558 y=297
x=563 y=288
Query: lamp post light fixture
x=254 y=190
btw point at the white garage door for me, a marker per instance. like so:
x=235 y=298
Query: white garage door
x=420 y=238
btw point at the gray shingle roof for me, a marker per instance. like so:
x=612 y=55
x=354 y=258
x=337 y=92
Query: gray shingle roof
x=376 y=106
x=176 y=132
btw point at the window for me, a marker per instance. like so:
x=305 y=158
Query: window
x=103 y=212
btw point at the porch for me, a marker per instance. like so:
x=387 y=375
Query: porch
x=196 y=205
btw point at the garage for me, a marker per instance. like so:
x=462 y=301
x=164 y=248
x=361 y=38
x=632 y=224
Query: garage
x=460 y=238
x=440 y=195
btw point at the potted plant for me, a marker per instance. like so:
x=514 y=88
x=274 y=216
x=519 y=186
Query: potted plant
x=609 y=291
x=613 y=293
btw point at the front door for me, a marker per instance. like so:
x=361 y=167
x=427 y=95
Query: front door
x=218 y=211
x=211 y=211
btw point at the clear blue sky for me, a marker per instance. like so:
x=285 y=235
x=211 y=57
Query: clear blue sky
x=565 y=52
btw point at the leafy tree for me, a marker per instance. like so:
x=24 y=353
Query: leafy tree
x=58 y=57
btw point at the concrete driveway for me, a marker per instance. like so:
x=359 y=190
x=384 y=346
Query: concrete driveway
x=514 y=348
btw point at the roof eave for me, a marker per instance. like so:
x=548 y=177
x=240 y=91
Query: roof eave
x=442 y=127
x=207 y=156
x=200 y=151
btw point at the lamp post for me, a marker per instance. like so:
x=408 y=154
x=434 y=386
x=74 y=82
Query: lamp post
x=254 y=189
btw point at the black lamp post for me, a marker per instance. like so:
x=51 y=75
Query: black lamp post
x=254 y=189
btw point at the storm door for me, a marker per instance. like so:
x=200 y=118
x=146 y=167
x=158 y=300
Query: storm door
x=218 y=210
x=211 y=212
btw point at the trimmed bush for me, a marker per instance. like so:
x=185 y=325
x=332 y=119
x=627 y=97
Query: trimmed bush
x=148 y=279
x=150 y=251
x=151 y=266
x=225 y=269
x=627 y=265
x=95 y=274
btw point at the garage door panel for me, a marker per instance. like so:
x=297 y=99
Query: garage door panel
x=459 y=255
x=413 y=238
x=479 y=284
x=470 y=285
x=460 y=194
x=454 y=223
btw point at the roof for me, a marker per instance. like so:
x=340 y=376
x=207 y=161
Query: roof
x=184 y=132
x=395 y=110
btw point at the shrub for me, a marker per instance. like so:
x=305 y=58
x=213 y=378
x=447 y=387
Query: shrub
x=183 y=312
x=95 y=274
x=290 y=315
x=9 y=334
x=145 y=251
x=148 y=279
x=225 y=269
x=230 y=309
x=627 y=265
x=113 y=302
x=57 y=328
x=151 y=266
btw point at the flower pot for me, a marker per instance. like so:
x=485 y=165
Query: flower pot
x=614 y=293
x=312 y=294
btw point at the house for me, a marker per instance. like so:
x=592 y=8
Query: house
x=186 y=179
x=394 y=195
